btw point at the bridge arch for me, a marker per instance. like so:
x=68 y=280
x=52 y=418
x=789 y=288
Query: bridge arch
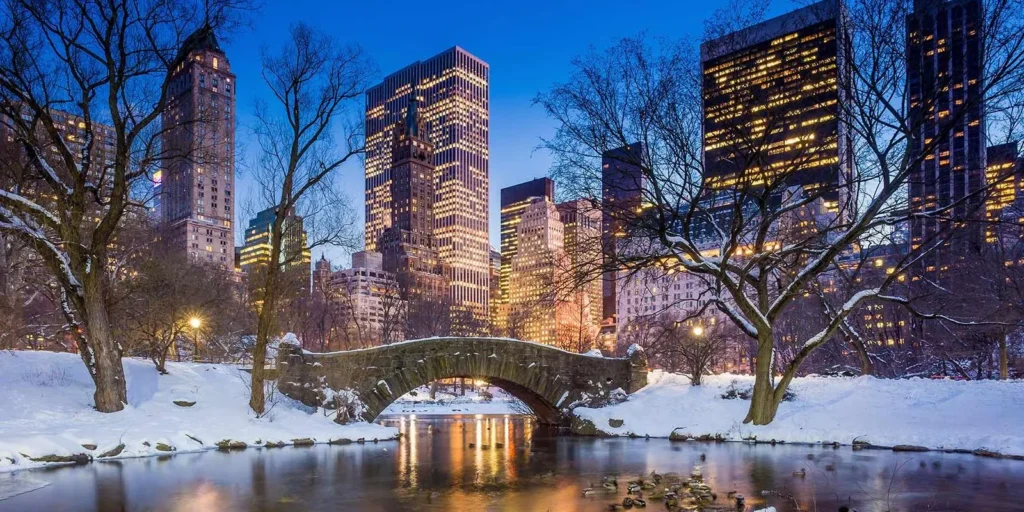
x=549 y=380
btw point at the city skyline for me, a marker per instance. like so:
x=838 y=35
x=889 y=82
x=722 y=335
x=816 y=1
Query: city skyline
x=520 y=71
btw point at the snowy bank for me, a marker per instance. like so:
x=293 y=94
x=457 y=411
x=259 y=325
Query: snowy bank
x=46 y=412
x=937 y=414
x=445 y=404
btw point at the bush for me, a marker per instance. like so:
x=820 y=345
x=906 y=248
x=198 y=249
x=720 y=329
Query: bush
x=733 y=392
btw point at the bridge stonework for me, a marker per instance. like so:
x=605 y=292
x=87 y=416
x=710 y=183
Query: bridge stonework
x=550 y=381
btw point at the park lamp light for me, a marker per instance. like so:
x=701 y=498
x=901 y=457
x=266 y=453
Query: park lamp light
x=698 y=330
x=195 y=322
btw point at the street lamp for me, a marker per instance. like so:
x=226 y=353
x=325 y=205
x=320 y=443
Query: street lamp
x=698 y=331
x=195 y=323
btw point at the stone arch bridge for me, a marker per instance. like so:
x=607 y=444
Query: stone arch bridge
x=549 y=380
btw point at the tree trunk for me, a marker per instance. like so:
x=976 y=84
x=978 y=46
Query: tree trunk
x=1004 y=356
x=433 y=390
x=107 y=373
x=265 y=322
x=763 y=403
x=866 y=368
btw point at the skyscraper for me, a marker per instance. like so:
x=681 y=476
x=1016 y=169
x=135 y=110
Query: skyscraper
x=408 y=247
x=1004 y=206
x=197 y=182
x=622 y=195
x=514 y=201
x=453 y=97
x=944 y=88
x=256 y=251
x=581 y=221
x=771 y=104
x=533 y=301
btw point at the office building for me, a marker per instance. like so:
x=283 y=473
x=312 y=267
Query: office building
x=452 y=93
x=535 y=277
x=256 y=251
x=944 y=93
x=196 y=185
x=622 y=197
x=772 y=93
x=408 y=246
x=514 y=201
x=581 y=226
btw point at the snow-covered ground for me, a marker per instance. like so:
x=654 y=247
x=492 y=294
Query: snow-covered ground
x=419 y=402
x=46 y=409
x=937 y=414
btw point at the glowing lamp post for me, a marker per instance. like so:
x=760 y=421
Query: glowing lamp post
x=698 y=331
x=195 y=323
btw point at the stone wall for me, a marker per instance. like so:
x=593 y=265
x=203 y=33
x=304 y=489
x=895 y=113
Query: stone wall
x=550 y=381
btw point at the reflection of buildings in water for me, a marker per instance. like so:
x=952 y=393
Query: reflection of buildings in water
x=478 y=452
x=408 y=458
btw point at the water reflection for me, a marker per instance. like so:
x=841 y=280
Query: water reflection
x=500 y=463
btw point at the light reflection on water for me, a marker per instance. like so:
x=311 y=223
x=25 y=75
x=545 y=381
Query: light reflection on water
x=499 y=463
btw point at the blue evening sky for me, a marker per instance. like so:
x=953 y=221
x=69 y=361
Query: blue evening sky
x=528 y=44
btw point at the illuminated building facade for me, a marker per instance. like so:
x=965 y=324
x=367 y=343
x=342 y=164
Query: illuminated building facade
x=581 y=226
x=453 y=97
x=771 y=105
x=256 y=251
x=407 y=246
x=197 y=182
x=944 y=87
x=622 y=196
x=370 y=302
x=1004 y=206
x=533 y=301
x=514 y=201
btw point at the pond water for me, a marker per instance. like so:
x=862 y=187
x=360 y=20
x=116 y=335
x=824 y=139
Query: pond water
x=499 y=463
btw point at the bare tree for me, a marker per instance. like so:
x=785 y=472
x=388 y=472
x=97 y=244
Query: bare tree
x=697 y=347
x=164 y=298
x=304 y=139
x=393 y=313
x=763 y=242
x=82 y=87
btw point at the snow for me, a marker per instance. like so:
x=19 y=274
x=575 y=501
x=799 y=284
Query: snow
x=47 y=409
x=938 y=414
x=454 y=404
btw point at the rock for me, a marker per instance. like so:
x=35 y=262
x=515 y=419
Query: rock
x=304 y=441
x=146 y=444
x=183 y=403
x=981 y=452
x=89 y=447
x=615 y=423
x=277 y=444
x=113 y=452
x=163 y=447
x=77 y=458
x=341 y=441
x=909 y=448
x=228 y=444
x=674 y=436
x=585 y=427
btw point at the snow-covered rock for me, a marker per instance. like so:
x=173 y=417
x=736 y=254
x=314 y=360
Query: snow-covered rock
x=938 y=414
x=46 y=409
